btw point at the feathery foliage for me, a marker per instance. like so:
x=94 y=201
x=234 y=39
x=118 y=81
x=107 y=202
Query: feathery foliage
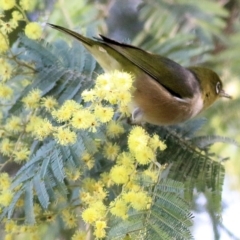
x=91 y=175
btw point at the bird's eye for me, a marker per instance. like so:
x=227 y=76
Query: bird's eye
x=218 y=87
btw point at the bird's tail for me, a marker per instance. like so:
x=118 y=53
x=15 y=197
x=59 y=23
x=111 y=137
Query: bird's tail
x=84 y=40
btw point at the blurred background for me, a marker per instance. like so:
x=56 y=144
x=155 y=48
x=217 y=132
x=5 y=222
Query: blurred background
x=190 y=32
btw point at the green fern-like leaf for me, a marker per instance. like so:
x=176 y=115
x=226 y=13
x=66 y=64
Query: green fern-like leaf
x=168 y=217
x=205 y=141
x=28 y=203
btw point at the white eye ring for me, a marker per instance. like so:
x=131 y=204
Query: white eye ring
x=218 y=87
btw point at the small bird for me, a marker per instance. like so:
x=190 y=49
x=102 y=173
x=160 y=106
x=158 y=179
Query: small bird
x=165 y=93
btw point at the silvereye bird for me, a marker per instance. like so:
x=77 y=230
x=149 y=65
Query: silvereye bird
x=165 y=93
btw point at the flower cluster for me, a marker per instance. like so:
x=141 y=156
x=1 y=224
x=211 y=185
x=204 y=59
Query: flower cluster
x=13 y=136
x=32 y=29
x=12 y=230
x=10 y=63
x=101 y=110
x=114 y=88
x=5 y=194
x=124 y=173
x=72 y=116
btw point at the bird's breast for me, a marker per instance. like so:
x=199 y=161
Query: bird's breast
x=158 y=106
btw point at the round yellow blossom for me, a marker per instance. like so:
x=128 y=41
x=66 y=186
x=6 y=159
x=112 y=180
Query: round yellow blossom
x=62 y=114
x=155 y=143
x=114 y=129
x=6 y=147
x=8 y=27
x=110 y=151
x=27 y=5
x=9 y=236
x=86 y=198
x=6 y=197
x=100 y=194
x=5 y=181
x=105 y=89
x=138 y=139
x=88 y=184
x=7 y=4
x=34 y=122
x=65 y=136
x=129 y=196
x=73 y=175
x=33 y=30
x=100 y=94
x=5 y=70
x=88 y=160
x=113 y=87
x=100 y=207
x=43 y=128
x=104 y=114
x=99 y=233
x=132 y=185
x=79 y=235
x=124 y=110
x=124 y=98
x=21 y=154
x=162 y=146
x=14 y=124
x=90 y=215
x=119 y=174
x=107 y=95
x=49 y=103
x=65 y=112
x=119 y=208
x=105 y=178
x=138 y=200
x=83 y=119
x=105 y=81
x=145 y=155
x=111 y=97
x=4 y=44
x=10 y=226
x=27 y=229
x=49 y=216
x=122 y=80
x=126 y=159
x=69 y=219
x=71 y=105
x=32 y=100
x=16 y=15
x=152 y=174
x=89 y=95
x=5 y=91
x=96 y=189
x=100 y=224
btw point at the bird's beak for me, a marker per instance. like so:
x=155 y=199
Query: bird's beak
x=222 y=93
